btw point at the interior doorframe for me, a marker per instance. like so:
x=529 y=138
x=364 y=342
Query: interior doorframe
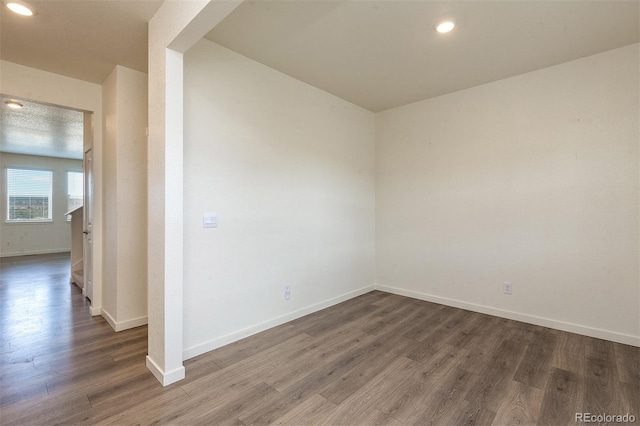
x=89 y=273
x=40 y=86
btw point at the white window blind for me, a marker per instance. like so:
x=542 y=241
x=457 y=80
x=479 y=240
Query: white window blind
x=29 y=195
x=75 y=190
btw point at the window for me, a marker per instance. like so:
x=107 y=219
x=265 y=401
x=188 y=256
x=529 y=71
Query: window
x=75 y=191
x=29 y=195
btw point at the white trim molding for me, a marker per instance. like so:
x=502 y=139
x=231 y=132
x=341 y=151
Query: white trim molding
x=34 y=252
x=123 y=325
x=165 y=378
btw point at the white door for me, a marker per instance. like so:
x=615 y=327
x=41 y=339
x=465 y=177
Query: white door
x=88 y=223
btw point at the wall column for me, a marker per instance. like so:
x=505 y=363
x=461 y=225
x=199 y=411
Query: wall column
x=173 y=30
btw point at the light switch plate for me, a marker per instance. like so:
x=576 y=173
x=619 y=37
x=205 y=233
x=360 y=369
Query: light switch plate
x=210 y=220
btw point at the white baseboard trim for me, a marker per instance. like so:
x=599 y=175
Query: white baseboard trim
x=613 y=336
x=123 y=325
x=95 y=311
x=165 y=378
x=110 y=320
x=210 y=345
x=132 y=323
x=78 y=265
x=34 y=252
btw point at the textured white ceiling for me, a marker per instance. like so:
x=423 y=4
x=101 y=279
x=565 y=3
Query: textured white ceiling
x=38 y=129
x=383 y=54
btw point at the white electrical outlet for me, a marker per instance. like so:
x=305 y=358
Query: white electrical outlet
x=506 y=288
x=287 y=292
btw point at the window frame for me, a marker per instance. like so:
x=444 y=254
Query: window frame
x=68 y=217
x=5 y=194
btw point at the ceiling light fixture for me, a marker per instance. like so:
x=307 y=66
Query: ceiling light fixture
x=20 y=8
x=13 y=104
x=445 y=26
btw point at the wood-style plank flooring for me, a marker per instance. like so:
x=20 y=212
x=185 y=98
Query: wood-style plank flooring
x=376 y=359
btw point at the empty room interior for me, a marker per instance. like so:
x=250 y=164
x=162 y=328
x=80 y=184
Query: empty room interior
x=320 y=212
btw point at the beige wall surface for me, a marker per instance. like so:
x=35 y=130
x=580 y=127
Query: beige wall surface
x=531 y=180
x=125 y=184
x=18 y=239
x=110 y=193
x=132 y=196
x=289 y=170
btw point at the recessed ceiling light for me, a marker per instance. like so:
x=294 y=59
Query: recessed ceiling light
x=445 y=26
x=20 y=8
x=13 y=104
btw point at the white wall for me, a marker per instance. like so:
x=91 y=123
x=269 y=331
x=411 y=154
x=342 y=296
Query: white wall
x=531 y=180
x=289 y=169
x=125 y=185
x=110 y=192
x=37 y=85
x=18 y=239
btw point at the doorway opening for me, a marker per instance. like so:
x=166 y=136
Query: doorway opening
x=43 y=178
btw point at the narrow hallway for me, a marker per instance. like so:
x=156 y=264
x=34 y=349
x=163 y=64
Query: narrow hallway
x=55 y=359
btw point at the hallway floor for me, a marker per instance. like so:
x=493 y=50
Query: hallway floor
x=55 y=359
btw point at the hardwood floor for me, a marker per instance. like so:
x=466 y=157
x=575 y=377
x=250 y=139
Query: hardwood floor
x=376 y=359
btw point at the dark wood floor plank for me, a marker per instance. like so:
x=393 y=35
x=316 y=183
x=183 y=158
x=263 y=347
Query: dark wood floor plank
x=45 y=409
x=599 y=388
x=119 y=408
x=325 y=349
x=161 y=404
x=535 y=367
x=495 y=377
x=391 y=348
x=122 y=391
x=431 y=341
x=391 y=303
x=627 y=363
x=411 y=394
x=468 y=413
x=271 y=408
x=443 y=400
x=521 y=405
x=570 y=353
x=368 y=397
x=244 y=348
x=244 y=374
x=18 y=391
x=382 y=320
x=370 y=416
x=482 y=346
x=199 y=367
x=311 y=411
x=429 y=318
x=562 y=399
x=630 y=395
x=470 y=326
x=335 y=320
x=222 y=411
x=90 y=377
x=321 y=321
